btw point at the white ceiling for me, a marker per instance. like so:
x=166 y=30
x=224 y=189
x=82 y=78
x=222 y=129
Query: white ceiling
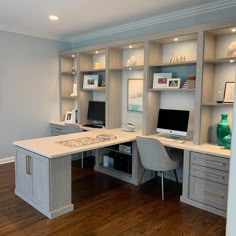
x=78 y=17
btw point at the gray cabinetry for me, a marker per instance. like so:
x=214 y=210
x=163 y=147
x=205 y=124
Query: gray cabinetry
x=206 y=182
x=23 y=175
x=36 y=174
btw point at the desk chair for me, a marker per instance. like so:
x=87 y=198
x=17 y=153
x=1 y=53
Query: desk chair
x=154 y=157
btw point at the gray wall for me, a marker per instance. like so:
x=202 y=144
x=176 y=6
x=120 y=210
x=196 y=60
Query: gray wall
x=29 y=88
x=210 y=17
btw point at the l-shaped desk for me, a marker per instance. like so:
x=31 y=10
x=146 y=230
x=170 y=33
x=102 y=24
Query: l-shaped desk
x=43 y=169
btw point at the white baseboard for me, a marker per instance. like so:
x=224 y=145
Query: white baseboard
x=6 y=160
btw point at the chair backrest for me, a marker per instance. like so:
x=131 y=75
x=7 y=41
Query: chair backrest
x=153 y=155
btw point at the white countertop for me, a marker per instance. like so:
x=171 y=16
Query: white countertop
x=188 y=145
x=49 y=147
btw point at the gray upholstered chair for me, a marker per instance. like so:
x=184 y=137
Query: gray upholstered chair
x=154 y=157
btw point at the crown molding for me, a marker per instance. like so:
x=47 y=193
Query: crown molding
x=33 y=34
x=172 y=16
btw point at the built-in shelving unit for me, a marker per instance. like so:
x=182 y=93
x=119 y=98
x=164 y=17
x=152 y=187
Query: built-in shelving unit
x=91 y=63
x=218 y=68
x=177 y=55
x=125 y=62
x=68 y=84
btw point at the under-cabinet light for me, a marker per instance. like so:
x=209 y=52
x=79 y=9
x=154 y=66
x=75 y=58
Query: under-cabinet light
x=231 y=61
x=130 y=68
x=96 y=52
x=73 y=55
x=130 y=46
x=233 y=30
x=176 y=39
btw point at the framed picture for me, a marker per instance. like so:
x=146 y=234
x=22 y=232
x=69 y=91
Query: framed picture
x=160 y=79
x=173 y=83
x=229 y=92
x=90 y=81
x=68 y=116
x=135 y=95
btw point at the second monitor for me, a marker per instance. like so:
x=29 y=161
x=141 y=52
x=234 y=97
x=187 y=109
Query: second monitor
x=96 y=112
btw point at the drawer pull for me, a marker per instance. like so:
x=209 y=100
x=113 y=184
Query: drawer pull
x=215 y=163
x=214 y=194
x=215 y=176
x=28 y=165
x=58 y=128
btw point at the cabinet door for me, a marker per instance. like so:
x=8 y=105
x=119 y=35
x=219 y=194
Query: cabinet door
x=41 y=180
x=23 y=173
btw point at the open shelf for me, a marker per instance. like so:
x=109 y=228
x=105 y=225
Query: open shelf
x=172 y=90
x=93 y=70
x=214 y=104
x=94 y=89
x=184 y=63
x=126 y=68
x=224 y=60
x=114 y=170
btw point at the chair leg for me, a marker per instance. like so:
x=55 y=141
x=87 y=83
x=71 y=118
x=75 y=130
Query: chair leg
x=82 y=160
x=177 y=182
x=141 y=179
x=162 y=185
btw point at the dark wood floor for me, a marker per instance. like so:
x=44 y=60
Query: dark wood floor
x=106 y=206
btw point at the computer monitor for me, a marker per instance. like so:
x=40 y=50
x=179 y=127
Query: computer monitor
x=174 y=122
x=96 y=112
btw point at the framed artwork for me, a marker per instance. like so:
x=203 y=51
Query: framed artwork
x=160 y=79
x=68 y=116
x=229 y=92
x=173 y=83
x=135 y=95
x=90 y=81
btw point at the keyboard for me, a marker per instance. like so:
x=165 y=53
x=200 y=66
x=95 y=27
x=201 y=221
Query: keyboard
x=92 y=126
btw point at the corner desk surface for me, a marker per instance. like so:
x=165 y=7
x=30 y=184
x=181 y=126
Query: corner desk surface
x=50 y=148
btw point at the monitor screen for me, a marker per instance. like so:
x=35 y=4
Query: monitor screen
x=96 y=111
x=173 y=122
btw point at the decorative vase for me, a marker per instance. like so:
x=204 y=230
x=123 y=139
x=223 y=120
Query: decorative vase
x=227 y=141
x=223 y=129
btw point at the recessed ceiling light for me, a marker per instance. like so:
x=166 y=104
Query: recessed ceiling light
x=130 y=46
x=53 y=18
x=96 y=52
x=233 y=30
x=231 y=61
x=176 y=39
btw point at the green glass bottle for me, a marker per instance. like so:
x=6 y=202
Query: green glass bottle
x=227 y=141
x=222 y=129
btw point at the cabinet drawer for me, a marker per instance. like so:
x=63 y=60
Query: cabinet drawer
x=218 y=163
x=209 y=193
x=57 y=130
x=203 y=172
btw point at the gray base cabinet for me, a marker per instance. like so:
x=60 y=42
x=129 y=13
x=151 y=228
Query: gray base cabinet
x=36 y=174
x=206 y=182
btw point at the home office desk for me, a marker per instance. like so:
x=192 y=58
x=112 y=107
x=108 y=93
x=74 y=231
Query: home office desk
x=43 y=167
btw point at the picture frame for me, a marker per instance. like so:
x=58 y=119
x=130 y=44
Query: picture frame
x=90 y=81
x=68 y=117
x=229 y=92
x=173 y=83
x=135 y=95
x=160 y=80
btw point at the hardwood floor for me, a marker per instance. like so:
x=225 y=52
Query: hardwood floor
x=106 y=206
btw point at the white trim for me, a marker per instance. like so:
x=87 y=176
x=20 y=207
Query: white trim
x=6 y=160
x=171 y=16
x=162 y=18
x=31 y=33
